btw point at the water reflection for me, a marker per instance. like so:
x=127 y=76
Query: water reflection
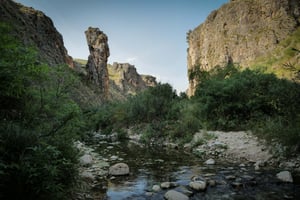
x=124 y=189
x=150 y=166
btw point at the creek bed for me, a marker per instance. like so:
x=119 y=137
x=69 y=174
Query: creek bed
x=151 y=166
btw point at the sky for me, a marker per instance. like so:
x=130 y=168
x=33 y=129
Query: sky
x=150 y=34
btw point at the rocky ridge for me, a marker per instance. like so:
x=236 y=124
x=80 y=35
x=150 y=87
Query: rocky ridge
x=239 y=32
x=35 y=29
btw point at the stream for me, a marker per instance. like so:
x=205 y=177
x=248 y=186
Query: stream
x=151 y=166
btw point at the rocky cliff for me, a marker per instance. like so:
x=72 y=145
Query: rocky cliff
x=240 y=32
x=35 y=29
x=125 y=78
x=97 y=61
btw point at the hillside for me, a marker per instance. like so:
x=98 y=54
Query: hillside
x=242 y=31
x=36 y=29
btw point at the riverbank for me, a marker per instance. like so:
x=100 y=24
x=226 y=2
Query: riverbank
x=242 y=147
x=227 y=160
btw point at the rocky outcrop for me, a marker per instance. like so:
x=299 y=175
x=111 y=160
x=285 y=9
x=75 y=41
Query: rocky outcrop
x=127 y=80
x=34 y=28
x=97 y=61
x=239 y=32
x=124 y=80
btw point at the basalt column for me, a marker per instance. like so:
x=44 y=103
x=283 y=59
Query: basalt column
x=97 y=61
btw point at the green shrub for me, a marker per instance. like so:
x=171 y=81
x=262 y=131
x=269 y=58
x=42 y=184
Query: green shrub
x=32 y=168
x=39 y=122
x=250 y=100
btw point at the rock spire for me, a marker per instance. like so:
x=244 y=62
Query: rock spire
x=97 y=61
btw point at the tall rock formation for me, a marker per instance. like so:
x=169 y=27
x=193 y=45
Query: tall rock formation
x=34 y=28
x=239 y=32
x=97 y=61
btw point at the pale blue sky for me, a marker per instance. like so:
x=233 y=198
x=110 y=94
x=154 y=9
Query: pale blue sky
x=150 y=34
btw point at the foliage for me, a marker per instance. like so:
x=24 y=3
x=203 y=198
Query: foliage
x=226 y=99
x=38 y=124
x=247 y=99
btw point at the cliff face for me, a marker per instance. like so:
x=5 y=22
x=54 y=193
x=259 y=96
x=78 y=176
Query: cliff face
x=127 y=80
x=239 y=32
x=34 y=28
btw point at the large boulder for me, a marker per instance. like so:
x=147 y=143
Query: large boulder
x=119 y=169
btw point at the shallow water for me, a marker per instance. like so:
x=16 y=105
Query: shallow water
x=150 y=166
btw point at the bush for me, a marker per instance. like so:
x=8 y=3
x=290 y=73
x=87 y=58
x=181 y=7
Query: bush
x=38 y=124
x=250 y=100
x=32 y=168
x=152 y=104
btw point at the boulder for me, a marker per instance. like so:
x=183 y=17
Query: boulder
x=174 y=195
x=285 y=176
x=198 y=185
x=119 y=169
x=86 y=160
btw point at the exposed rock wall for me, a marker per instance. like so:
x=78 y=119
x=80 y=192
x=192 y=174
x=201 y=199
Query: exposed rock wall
x=97 y=61
x=239 y=32
x=34 y=28
x=128 y=80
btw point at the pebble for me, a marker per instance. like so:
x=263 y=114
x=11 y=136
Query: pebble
x=210 y=162
x=167 y=185
x=248 y=178
x=156 y=188
x=230 y=177
x=212 y=183
x=114 y=157
x=236 y=184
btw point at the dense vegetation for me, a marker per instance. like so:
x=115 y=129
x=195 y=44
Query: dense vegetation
x=40 y=121
x=38 y=124
x=226 y=99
